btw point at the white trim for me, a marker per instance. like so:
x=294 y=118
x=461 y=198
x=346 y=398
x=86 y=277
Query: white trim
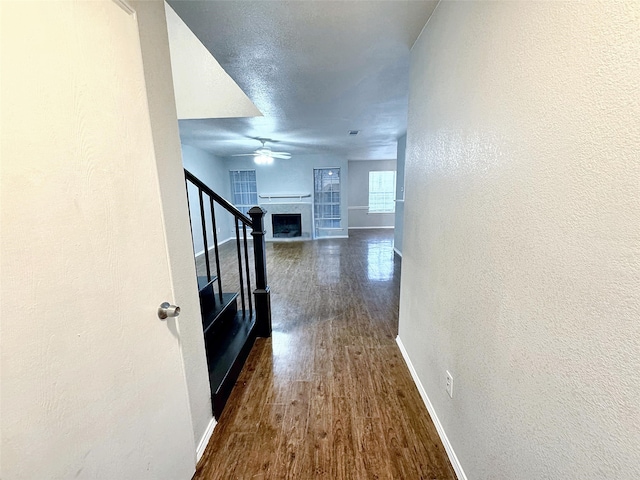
x=124 y=5
x=204 y=441
x=288 y=240
x=329 y=237
x=455 y=463
x=201 y=252
x=370 y=228
x=397 y=251
x=358 y=207
x=224 y=241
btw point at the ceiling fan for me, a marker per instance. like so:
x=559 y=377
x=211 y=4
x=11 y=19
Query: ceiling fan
x=264 y=155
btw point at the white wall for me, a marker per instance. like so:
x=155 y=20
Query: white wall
x=359 y=217
x=521 y=271
x=210 y=170
x=399 y=217
x=295 y=176
x=154 y=44
x=93 y=385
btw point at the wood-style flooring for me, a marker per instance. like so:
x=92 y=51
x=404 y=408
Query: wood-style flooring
x=329 y=395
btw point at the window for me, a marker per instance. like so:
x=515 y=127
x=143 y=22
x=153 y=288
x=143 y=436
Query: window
x=326 y=200
x=382 y=192
x=244 y=192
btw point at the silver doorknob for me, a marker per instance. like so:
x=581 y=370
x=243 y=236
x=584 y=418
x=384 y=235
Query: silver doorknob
x=167 y=310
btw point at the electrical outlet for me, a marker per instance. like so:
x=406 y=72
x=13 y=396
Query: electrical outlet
x=449 y=384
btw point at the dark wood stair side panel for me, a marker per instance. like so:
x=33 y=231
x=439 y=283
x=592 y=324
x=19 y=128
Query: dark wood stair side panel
x=208 y=294
x=227 y=351
x=218 y=313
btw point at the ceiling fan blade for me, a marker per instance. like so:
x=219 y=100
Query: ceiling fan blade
x=245 y=155
x=283 y=155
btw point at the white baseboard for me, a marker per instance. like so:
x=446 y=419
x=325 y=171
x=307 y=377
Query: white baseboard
x=201 y=252
x=370 y=228
x=397 y=251
x=227 y=240
x=455 y=463
x=204 y=441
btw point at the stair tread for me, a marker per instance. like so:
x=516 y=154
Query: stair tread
x=210 y=317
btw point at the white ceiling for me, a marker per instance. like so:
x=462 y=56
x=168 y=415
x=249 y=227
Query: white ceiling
x=315 y=69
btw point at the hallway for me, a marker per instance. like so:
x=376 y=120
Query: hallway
x=329 y=395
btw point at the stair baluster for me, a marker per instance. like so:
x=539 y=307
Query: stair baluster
x=240 y=275
x=215 y=247
x=204 y=235
x=246 y=263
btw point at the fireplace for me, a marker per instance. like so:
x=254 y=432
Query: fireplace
x=286 y=225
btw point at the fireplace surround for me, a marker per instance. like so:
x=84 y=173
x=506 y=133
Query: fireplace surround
x=286 y=225
x=303 y=209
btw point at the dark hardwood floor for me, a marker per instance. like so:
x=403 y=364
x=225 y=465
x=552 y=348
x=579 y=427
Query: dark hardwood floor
x=329 y=395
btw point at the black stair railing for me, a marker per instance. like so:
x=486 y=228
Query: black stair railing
x=261 y=293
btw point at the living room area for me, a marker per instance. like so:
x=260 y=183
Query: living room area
x=306 y=197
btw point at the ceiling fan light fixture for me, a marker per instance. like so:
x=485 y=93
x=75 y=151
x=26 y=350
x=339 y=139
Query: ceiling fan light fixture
x=263 y=159
x=264 y=155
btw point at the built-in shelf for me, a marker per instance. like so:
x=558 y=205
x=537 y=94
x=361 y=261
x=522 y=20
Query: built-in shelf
x=299 y=196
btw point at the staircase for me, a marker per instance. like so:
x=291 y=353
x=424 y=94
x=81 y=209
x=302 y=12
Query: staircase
x=230 y=322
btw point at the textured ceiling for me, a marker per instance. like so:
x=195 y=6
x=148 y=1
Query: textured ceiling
x=315 y=69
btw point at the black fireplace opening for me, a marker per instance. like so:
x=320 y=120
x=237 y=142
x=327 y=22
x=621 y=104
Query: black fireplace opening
x=286 y=225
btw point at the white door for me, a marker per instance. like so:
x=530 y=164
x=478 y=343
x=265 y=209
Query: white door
x=92 y=380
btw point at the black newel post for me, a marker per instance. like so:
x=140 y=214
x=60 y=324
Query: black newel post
x=262 y=292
